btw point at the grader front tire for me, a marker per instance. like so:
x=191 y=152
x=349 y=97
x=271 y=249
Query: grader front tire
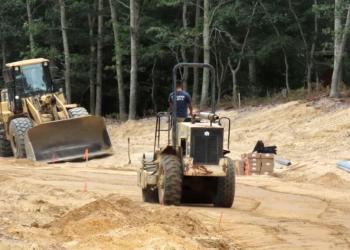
x=225 y=193
x=170 y=180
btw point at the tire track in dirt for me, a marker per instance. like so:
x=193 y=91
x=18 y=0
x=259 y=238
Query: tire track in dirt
x=275 y=225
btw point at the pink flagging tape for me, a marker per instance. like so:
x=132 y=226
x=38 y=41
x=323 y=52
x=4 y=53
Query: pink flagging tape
x=86 y=154
x=220 y=221
x=53 y=157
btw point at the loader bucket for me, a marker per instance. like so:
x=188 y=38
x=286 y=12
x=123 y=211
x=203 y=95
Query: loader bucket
x=67 y=140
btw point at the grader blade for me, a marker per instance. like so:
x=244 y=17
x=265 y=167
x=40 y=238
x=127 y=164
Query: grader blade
x=67 y=140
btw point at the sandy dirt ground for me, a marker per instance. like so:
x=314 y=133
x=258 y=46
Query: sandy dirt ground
x=97 y=205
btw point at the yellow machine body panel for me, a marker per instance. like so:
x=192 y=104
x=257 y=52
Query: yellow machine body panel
x=27 y=62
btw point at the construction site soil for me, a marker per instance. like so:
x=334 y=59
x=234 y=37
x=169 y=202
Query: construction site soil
x=97 y=205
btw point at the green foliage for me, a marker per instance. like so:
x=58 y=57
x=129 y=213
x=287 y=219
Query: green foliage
x=162 y=36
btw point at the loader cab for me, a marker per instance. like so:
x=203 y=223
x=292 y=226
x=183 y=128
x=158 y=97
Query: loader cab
x=25 y=79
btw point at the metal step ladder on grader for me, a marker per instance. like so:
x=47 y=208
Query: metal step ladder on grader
x=37 y=123
x=192 y=166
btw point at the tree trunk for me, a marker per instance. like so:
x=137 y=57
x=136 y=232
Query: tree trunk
x=183 y=47
x=234 y=82
x=309 y=63
x=234 y=86
x=217 y=77
x=3 y=53
x=92 y=61
x=99 y=59
x=118 y=60
x=286 y=65
x=134 y=31
x=252 y=69
x=309 y=68
x=222 y=77
x=66 y=50
x=206 y=54
x=30 y=23
x=317 y=80
x=196 y=55
x=340 y=38
x=235 y=70
x=154 y=87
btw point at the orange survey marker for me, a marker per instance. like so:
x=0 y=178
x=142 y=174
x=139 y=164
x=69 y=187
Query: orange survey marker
x=86 y=154
x=220 y=221
x=53 y=157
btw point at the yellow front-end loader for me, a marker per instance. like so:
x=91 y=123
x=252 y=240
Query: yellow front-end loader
x=37 y=123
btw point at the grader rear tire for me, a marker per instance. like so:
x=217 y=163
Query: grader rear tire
x=170 y=180
x=225 y=193
x=5 y=145
x=18 y=129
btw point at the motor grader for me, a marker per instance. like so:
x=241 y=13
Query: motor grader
x=37 y=123
x=192 y=166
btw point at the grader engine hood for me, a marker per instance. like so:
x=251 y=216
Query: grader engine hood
x=204 y=149
x=68 y=140
x=206 y=145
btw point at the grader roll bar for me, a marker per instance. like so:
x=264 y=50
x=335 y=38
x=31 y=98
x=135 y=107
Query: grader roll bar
x=190 y=65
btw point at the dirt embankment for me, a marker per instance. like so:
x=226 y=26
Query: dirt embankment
x=313 y=135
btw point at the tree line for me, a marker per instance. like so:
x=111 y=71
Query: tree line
x=117 y=55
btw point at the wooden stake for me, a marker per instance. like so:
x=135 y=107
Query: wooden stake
x=220 y=221
x=129 y=150
x=239 y=100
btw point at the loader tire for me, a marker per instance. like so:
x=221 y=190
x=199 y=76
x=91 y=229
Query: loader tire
x=78 y=112
x=18 y=129
x=150 y=195
x=5 y=145
x=170 y=180
x=225 y=192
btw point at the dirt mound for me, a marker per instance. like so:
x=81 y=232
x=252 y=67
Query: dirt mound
x=331 y=180
x=114 y=221
x=4 y=178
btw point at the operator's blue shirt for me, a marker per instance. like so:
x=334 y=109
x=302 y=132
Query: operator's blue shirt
x=183 y=99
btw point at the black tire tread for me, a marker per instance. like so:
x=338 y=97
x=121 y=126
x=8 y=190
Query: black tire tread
x=226 y=187
x=172 y=179
x=5 y=145
x=77 y=112
x=18 y=128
